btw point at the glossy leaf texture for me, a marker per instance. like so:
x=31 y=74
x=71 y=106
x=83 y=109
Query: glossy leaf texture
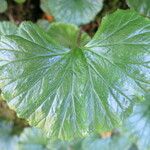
x=3 y=6
x=141 y=6
x=139 y=122
x=71 y=91
x=7 y=28
x=74 y=11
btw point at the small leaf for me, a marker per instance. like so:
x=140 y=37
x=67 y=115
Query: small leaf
x=73 y=91
x=141 y=6
x=7 y=28
x=45 y=24
x=76 y=12
x=3 y=6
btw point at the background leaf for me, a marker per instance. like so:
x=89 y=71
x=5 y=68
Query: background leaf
x=116 y=142
x=20 y=1
x=7 y=141
x=33 y=139
x=139 y=122
x=76 y=12
x=3 y=6
x=141 y=6
x=95 y=142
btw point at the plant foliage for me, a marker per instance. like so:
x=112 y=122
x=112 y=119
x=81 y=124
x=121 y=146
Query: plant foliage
x=75 y=11
x=7 y=141
x=35 y=139
x=139 y=122
x=141 y=6
x=7 y=28
x=70 y=85
x=3 y=6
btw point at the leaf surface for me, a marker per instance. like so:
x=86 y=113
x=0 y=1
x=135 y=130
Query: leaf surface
x=73 y=11
x=71 y=91
x=69 y=36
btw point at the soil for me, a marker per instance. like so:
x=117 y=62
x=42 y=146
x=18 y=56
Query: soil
x=30 y=10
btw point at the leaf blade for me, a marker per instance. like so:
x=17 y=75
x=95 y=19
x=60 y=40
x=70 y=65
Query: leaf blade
x=73 y=91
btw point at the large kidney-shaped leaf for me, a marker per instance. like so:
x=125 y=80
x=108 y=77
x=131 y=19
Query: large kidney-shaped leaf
x=72 y=91
x=73 y=11
x=141 y=6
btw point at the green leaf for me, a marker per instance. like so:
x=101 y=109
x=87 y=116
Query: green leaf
x=116 y=142
x=69 y=36
x=59 y=145
x=45 y=24
x=73 y=91
x=139 y=122
x=141 y=6
x=32 y=139
x=73 y=11
x=20 y=1
x=94 y=142
x=35 y=139
x=7 y=141
x=3 y=6
x=7 y=28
